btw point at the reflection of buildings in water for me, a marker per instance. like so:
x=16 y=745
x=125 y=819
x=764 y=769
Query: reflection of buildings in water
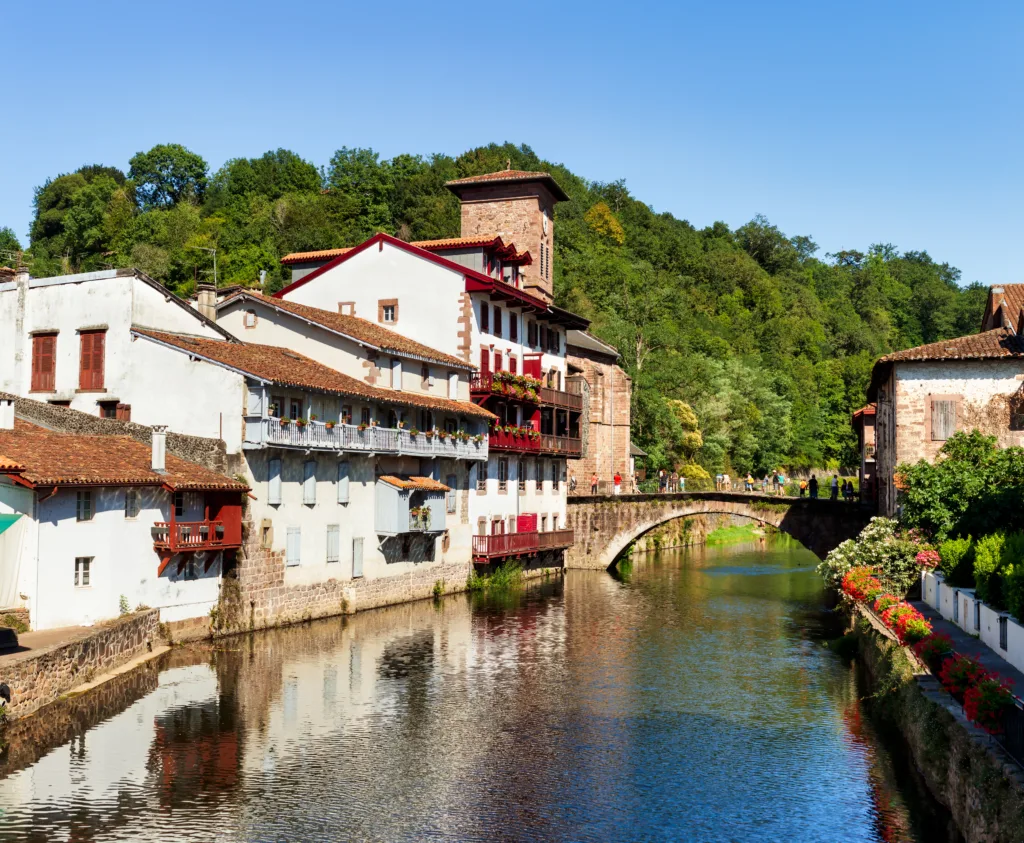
x=104 y=777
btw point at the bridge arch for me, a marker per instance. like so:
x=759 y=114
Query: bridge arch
x=606 y=525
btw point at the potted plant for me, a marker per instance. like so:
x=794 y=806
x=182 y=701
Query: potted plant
x=285 y=421
x=442 y=435
x=329 y=425
x=414 y=432
x=361 y=427
x=300 y=422
x=313 y=417
x=429 y=434
x=401 y=425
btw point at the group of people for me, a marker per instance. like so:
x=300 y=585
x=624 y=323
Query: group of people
x=674 y=482
x=836 y=488
x=595 y=482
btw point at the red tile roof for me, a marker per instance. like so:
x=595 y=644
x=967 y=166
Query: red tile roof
x=425 y=484
x=287 y=368
x=506 y=177
x=1010 y=297
x=993 y=344
x=310 y=257
x=355 y=327
x=41 y=457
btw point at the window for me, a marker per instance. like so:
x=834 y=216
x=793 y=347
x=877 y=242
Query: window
x=108 y=409
x=521 y=474
x=555 y=478
x=83 y=506
x=83 y=565
x=131 y=503
x=481 y=526
x=396 y=373
x=44 y=362
x=347 y=308
x=450 y=425
x=1002 y=633
x=191 y=570
x=451 y=482
x=485 y=317
x=512 y=364
x=179 y=504
x=293 y=548
x=295 y=409
x=346 y=414
x=497 y=361
x=497 y=321
x=364 y=416
x=453 y=385
x=387 y=311
x=543 y=523
x=481 y=476
x=943 y=419
x=513 y=327
x=309 y=482
x=502 y=474
x=343 y=481
x=531 y=334
x=543 y=336
x=426 y=420
x=250 y=319
x=554 y=522
x=91 y=357
x=333 y=543
x=274 y=482
x=276 y=408
x=485 y=360
x=424 y=377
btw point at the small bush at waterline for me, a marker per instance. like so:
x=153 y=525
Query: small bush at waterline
x=505 y=576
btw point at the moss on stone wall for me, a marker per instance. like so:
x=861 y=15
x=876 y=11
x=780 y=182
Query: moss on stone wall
x=962 y=767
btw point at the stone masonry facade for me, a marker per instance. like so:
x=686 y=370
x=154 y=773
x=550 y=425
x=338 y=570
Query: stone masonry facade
x=39 y=677
x=608 y=422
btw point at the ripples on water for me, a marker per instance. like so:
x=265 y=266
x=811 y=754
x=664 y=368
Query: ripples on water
x=687 y=699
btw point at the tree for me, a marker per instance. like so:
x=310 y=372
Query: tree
x=168 y=174
x=9 y=245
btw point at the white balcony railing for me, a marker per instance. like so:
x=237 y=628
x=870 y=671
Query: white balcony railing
x=348 y=437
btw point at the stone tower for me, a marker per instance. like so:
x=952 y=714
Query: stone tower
x=518 y=206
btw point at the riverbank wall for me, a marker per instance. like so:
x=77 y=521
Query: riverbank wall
x=41 y=676
x=963 y=768
x=693 y=531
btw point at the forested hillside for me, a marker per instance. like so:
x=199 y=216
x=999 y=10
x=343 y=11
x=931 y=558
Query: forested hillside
x=769 y=343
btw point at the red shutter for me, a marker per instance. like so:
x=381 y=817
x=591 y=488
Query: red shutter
x=512 y=365
x=91 y=363
x=485 y=361
x=43 y=362
x=497 y=361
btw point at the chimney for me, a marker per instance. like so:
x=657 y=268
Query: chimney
x=6 y=414
x=206 y=301
x=160 y=448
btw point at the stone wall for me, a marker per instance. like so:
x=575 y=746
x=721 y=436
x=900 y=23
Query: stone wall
x=607 y=420
x=684 y=532
x=38 y=677
x=961 y=766
x=210 y=453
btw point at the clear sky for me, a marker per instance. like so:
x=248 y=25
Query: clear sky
x=854 y=123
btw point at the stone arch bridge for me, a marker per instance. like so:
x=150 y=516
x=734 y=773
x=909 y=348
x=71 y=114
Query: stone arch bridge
x=606 y=525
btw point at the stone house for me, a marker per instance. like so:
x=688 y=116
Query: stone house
x=607 y=448
x=923 y=395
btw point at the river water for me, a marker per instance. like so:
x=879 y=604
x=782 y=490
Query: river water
x=689 y=698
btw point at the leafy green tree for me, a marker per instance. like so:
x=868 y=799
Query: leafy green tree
x=168 y=174
x=9 y=244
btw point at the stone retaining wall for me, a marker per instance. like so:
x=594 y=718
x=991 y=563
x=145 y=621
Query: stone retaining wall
x=965 y=770
x=38 y=677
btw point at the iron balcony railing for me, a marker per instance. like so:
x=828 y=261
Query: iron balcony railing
x=188 y=535
x=490 y=547
x=349 y=437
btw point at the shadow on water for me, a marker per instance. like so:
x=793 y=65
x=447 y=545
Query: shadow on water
x=689 y=696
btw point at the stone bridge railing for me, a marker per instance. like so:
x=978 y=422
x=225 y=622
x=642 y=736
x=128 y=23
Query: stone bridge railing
x=607 y=525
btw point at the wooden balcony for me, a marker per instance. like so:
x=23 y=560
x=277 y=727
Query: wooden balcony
x=487 y=548
x=484 y=384
x=546 y=443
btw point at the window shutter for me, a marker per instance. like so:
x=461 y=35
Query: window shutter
x=43 y=362
x=274 y=473
x=485 y=317
x=485 y=360
x=396 y=373
x=453 y=385
x=343 y=482
x=943 y=419
x=512 y=365
x=294 y=545
x=85 y=361
x=543 y=336
x=513 y=327
x=333 y=542
x=309 y=482
x=451 y=482
x=497 y=321
x=91 y=363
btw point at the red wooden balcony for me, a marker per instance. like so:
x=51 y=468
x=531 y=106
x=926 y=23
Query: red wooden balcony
x=483 y=384
x=546 y=443
x=486 y=548
x=189 y=535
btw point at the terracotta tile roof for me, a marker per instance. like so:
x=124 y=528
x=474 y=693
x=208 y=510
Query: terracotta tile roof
x=321 y=254
x=287 y=368
x=47 y=458
x=425 y=484
x=505 y=177
x=984 y=346
x=1011 y=297
x=353 y=326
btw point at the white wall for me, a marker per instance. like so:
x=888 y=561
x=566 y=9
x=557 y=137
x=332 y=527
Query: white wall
x=494 y=504
x=502 y=343
x=124 y=561
x=429 y=295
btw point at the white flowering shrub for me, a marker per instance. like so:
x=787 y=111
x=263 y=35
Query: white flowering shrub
x=880 y=545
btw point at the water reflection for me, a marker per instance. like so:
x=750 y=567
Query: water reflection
x=687 y=699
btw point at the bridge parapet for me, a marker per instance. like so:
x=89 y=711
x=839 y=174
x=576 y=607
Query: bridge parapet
x=606 y=525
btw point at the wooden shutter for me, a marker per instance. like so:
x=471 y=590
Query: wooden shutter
x=497 y=321
x=333 y=542
x=309 y=482
x=451 y=484
x=343 y=482
x=943 y=419
x=274 y=475
x=497 y=361
x=485 y=317
x=485 y=360
x=44 y=362
x=513 y=327
x=357 y=557
x=543 y=336
x=512 y=365
x=294 y=546
x=91 y=360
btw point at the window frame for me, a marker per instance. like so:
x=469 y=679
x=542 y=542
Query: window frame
x=44 y=380
x=92 y=349
x=131 y=502
x=84 y=510
x=83 y=571
x=954 y=402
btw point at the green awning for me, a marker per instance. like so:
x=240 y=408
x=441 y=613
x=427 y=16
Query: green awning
x=7 y=520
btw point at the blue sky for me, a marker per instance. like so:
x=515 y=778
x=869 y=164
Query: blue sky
x=895 y=122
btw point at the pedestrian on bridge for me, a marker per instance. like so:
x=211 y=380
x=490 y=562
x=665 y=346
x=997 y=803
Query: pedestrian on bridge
x=812 y=486
x=835 y=488
x=749 y=484
x=674 y=482
x=803 y=487
x=617 y=481
x=572 y=482
x=662 y=480
x=593 y=483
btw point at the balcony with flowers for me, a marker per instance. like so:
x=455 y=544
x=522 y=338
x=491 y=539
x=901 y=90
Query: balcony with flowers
x=524 y=388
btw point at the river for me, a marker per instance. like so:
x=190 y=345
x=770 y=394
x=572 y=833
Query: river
x=688 y=698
